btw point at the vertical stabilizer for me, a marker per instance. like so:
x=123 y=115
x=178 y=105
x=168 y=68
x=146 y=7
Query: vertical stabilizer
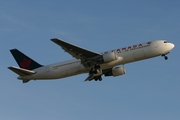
x=24 y=61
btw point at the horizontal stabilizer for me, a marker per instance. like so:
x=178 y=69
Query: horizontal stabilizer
x=21 y=71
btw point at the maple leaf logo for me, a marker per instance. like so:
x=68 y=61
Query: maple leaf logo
x=25 y=63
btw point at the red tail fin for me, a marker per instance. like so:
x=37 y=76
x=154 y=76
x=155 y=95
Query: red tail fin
x=24 y=61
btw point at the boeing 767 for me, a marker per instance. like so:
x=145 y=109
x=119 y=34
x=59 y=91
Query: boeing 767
x=109 y=63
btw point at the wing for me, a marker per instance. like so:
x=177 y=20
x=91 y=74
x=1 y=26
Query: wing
x=86 y=56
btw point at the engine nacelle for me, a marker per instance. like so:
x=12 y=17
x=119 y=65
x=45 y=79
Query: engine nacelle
x=110 y=56
x=117 y=71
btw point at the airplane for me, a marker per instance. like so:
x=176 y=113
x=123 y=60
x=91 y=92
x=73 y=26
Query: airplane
x=109 y=63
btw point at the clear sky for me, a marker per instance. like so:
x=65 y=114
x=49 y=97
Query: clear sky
x=149 y=90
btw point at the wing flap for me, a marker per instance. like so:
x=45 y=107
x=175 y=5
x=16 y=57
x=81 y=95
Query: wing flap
x=21 y=71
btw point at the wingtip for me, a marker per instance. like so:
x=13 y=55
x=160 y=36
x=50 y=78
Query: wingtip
x=54 y=39
x=12 y=49
x=9 y=67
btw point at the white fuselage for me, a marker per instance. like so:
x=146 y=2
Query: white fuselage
x=126 y=55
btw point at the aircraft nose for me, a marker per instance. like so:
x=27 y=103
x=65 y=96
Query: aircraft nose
x=172 y=46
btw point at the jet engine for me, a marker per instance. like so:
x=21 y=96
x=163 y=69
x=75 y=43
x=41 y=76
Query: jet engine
x=110 y=56
x=116 y=71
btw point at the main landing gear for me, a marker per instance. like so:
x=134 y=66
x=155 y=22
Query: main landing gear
x=96 y=69
x=98 y=78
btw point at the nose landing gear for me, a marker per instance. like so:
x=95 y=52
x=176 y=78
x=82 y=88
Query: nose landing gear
x=165 y=57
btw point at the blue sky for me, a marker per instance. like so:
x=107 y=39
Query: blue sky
x=149 y=90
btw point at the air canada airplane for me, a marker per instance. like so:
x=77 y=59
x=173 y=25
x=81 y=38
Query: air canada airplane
x=109 y=63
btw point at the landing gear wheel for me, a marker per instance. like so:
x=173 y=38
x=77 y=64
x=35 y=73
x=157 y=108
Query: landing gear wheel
x=96 y=79
x=165 y=57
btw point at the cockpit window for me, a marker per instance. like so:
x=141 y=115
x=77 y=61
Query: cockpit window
x=165 y=41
